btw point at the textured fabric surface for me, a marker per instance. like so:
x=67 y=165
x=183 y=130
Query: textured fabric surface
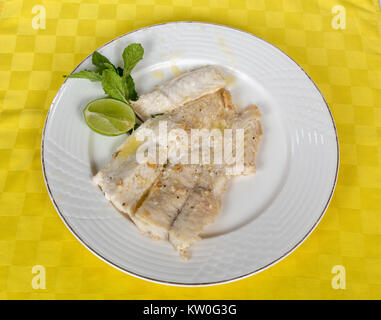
x=345 y=64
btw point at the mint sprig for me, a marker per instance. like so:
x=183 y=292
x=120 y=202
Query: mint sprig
x=116 y=81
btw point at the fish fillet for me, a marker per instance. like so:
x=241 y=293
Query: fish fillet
x=200 y=209
x=214 y=110
x=249 y=120
x=125 y=180
x=165 y=200
x=179 y=90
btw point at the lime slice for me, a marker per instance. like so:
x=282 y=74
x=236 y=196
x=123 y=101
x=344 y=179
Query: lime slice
x=109 y=117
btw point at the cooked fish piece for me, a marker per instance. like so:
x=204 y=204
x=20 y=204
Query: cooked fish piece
x=249 y=120
x=214 y=110
x=125 y=180
x=179 y=90
x=200 y=209
x=165 y=200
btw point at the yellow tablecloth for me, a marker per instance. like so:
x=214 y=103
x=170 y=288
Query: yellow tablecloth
x=345 y=64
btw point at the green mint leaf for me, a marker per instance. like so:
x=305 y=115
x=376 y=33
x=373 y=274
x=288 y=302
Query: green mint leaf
x=132 y=94
x=131 y=56
x=86 y=74
x=114 y=85
x=100 y=61
x=109 y=66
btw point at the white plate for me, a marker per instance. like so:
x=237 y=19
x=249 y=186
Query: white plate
x=264 y=217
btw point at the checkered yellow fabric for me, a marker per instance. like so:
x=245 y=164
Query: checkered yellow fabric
x=340 y=50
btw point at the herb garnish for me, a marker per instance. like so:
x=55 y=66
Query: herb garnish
x=116 y=81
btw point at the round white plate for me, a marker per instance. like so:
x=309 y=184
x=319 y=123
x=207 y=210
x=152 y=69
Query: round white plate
x=264 y=217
